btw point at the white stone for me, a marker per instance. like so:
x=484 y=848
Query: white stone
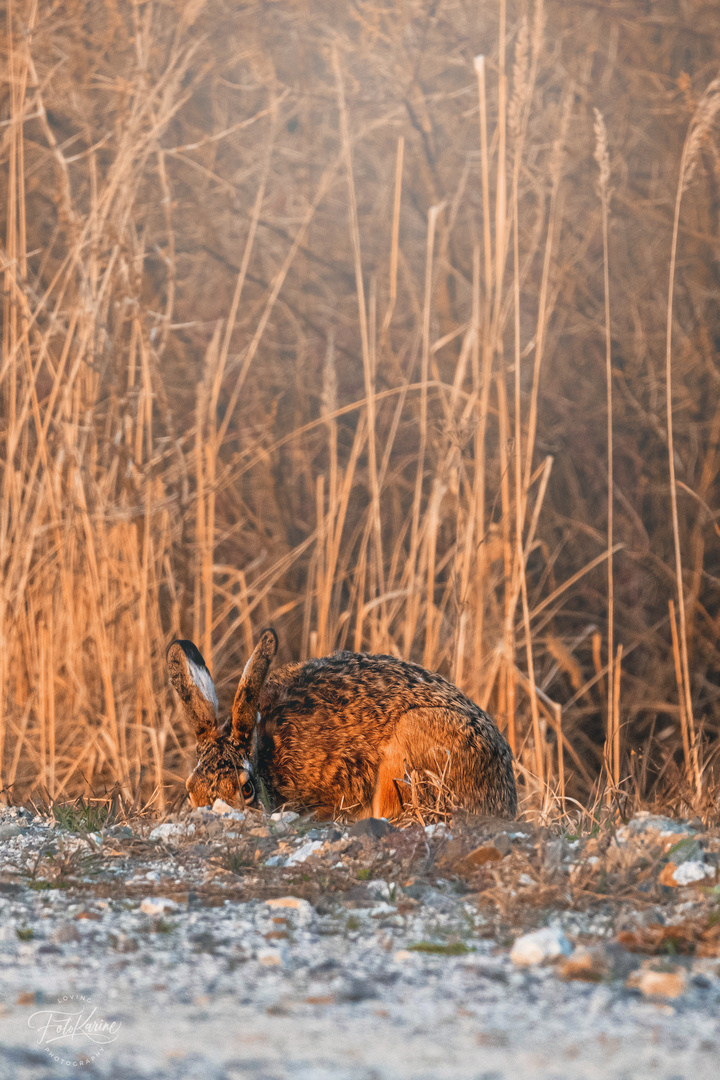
x=173 y=830
x=223 y=809
x=385 y=890
x=439 y=831
x=301 y=909
x=283 y=819
x=270 y=958
x=688 y=872
x=158 y=905
x=304 y=852
x=289 y=902
x=379 y=911
x=540 y=946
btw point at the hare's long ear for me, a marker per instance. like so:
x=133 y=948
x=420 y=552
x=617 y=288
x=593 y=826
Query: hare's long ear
x=195 y=688
x=244 y=710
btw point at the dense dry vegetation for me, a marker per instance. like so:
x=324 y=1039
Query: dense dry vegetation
x=326 y=316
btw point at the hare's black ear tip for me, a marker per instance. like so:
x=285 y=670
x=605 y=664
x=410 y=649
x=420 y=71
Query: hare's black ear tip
x=190 y=650
x=269 y=630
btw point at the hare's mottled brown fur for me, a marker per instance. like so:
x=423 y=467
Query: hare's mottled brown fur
x=339 y=733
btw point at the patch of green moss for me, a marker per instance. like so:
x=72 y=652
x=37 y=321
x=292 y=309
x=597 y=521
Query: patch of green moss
x=161 y=926
x=451 y=948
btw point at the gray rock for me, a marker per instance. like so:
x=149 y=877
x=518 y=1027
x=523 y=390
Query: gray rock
x=65 y=933
x=9 y=830
x=121 y=832
x=357 y=990
x=644 y=825
x=375 y=827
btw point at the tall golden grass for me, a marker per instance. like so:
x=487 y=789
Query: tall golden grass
x=351 y=320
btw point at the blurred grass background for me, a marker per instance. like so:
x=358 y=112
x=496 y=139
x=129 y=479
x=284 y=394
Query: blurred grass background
x=325 y=316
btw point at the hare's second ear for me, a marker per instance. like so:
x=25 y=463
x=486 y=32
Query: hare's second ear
x=195 y=688
x=244 y=708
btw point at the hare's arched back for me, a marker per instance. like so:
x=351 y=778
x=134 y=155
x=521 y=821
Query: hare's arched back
x=351 y=732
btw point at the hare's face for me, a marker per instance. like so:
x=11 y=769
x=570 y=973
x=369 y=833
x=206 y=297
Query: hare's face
x=222 y=772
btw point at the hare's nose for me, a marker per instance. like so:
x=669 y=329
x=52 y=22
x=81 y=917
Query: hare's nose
x=198 y=792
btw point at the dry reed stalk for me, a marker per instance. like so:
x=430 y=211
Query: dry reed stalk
x=544 y=473
x=368 y=368
x=506 y=696
x=602 y=158
x=395 y=241
x=554 y=220
x=470 y=544
x=501 y=179
x=337 y=514
x=208 y=462
x=411 y=572
x=681 y=694
x=328 y=405
x=244 y=264
x=200 y=522
x=701 y=123
x=323 y=187
x=616 y=716
x=521 y=93
x=486 y=374
x=431 y=527
x=506 y=688
x=557 y=723
x=573 y=580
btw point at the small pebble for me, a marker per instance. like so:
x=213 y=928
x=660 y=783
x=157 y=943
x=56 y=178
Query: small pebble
x=304 y=852
x=688 y=872
x=542 y=945
x=158 y=905
x=668 y=984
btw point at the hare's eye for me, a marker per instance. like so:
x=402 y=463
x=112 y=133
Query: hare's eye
x=248 y=790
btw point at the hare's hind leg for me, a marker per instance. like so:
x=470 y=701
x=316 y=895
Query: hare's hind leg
x=387 y=801
x=467 y=762
x=412 y=747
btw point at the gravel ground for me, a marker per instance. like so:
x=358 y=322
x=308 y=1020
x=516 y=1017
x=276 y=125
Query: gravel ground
x=229 y=946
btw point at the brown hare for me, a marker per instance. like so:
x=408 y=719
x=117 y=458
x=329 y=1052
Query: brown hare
x=339 y=733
